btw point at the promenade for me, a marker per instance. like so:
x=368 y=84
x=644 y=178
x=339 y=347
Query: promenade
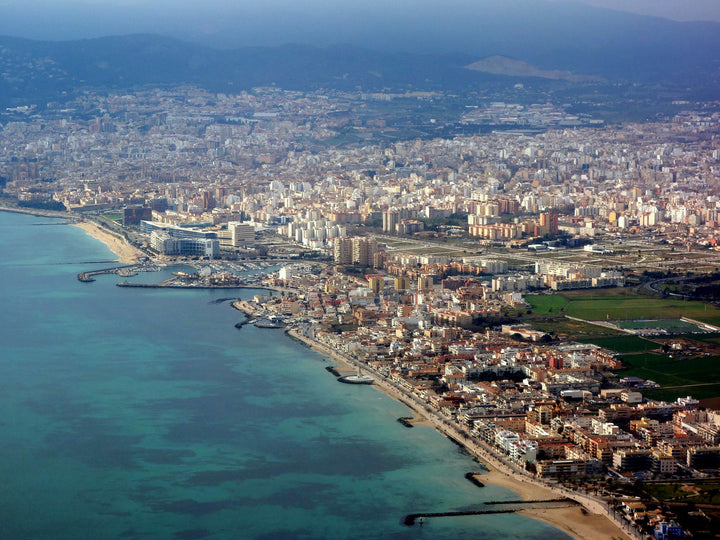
x=597 y=522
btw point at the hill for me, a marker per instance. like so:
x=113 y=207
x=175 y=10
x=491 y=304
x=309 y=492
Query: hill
x=501 y=65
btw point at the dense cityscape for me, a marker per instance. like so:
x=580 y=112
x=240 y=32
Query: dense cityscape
x=426 y=261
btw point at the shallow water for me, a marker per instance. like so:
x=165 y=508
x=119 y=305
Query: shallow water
x=142 y=413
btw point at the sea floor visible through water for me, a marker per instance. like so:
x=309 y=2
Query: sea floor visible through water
x=144 y=413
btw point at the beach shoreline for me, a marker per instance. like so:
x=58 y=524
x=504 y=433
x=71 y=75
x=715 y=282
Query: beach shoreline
x=577 y=521
x=37 y=212
x=126 y=253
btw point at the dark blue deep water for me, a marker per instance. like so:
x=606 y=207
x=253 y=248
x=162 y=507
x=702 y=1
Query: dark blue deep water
x=143 y=413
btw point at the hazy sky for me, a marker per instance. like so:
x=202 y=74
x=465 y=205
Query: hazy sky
x=679 y=10
x=233 y=23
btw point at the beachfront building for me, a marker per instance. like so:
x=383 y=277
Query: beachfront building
x=165 y=244
x=241 y=234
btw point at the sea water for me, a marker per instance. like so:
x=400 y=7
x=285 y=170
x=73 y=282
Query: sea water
x=144 y=413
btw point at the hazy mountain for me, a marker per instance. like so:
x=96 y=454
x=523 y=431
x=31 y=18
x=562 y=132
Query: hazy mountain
x=41 y=68
x=502 y=65
x=557 y=35
x=567 y=42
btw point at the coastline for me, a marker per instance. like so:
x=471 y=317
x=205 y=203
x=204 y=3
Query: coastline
x=126 y=253
x=577 y=521
x=37 y=212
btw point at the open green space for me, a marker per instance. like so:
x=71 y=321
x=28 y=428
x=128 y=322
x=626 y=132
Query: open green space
x=623 y=344
x=639 y=307
x=668 y=371
x=591 y=294
x=698 y=493
x=701 y=391
x=543 y=304
x=619 y=306
x=565 y=328
x=705 y=338
x=113 y=216
x=673 y=326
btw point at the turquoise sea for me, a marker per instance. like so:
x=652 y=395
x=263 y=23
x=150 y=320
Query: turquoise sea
x=143 y=413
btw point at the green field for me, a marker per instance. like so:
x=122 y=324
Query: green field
x=705 y=493
x=543 y=304
x=670 y=371
x=698 y=377
x=598 y=308
x=623 y=344
x=571 y=329
x=639 y=308
x=702 y=391
x=672 y=326
x=113 y=216
x=705 y=338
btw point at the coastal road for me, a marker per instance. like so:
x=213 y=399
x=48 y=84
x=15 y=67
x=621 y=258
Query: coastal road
x=472 y=445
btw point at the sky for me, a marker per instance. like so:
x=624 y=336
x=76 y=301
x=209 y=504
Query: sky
x=235 y=23
x=678 y=10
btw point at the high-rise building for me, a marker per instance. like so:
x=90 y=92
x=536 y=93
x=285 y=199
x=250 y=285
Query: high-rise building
x=363 y=251
x=343 y=251
x=208 y=201
x=549 y=223
x=376 y=283
x=425 y=282
x=134 y=214
x=241 y=234
x=390 y=221
x=402 y=283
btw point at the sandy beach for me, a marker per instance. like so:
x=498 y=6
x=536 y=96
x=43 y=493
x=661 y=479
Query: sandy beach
x=526 y=490
x=578 y=522
x=126 y=253
x=574 y=520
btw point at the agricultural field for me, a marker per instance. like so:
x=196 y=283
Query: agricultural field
x=684 y=376
x=621 y=307
x=569 y=329
x=707 y=393
x=713 y=338
x=623 y=343
x=542 y=304
x=671 y=326
x=640 y=307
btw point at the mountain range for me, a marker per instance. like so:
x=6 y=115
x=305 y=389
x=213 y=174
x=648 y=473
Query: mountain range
x=559 y=41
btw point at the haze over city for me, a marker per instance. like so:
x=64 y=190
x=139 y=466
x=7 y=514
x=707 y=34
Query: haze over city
x=445 y=26
x=313 y=269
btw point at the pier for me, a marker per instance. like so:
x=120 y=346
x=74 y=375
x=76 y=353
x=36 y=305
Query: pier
x=406 y=421
x=501 y=507
x=163 y=285
x=87 y=277
x=472 y=477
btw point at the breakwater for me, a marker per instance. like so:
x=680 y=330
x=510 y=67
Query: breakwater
x=87 y=277
x=331 y=369
x=356 y=379
x=406 y=421
x=497 y=508
x=472 y=477
x=175 y=286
